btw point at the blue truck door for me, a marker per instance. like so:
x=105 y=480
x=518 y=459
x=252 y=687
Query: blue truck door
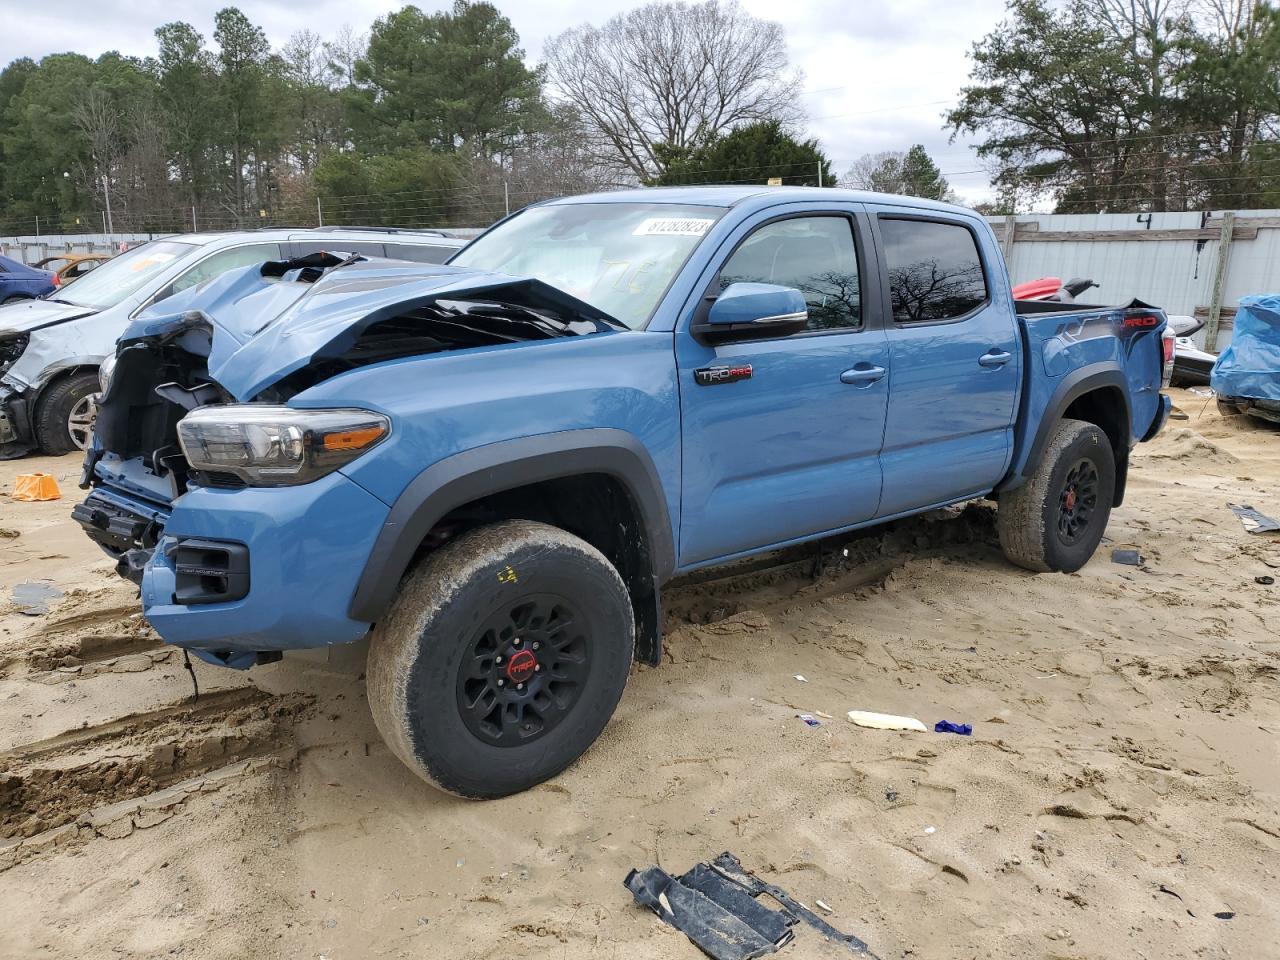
x=789 y=445
x=956 y=357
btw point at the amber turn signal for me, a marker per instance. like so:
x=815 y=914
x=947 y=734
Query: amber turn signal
x=356 y=439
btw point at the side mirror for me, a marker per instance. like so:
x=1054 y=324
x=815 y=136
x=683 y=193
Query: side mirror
x=749 y=311
x=1184 y=326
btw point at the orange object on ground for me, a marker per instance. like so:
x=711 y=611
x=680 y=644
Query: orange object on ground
x=36 y=486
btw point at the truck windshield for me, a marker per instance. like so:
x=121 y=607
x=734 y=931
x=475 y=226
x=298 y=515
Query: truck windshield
x=121 y=276
x=618 y=257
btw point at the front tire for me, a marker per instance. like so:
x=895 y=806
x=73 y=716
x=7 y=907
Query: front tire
x=65 y=414
x=1055 y=520
x=501 y=659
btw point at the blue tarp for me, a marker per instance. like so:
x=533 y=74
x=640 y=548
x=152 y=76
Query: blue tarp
x=1250 y=366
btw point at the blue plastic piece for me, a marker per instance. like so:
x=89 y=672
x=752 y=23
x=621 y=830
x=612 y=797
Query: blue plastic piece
x=1250 y=366
x=946 y=726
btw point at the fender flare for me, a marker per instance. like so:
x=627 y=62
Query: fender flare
x=506 y=465
x=1074 y=385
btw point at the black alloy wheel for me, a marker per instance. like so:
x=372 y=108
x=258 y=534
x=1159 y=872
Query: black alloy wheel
x=524 y=671
x=1078 y=502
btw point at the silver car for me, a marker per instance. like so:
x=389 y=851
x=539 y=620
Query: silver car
x=50 y=349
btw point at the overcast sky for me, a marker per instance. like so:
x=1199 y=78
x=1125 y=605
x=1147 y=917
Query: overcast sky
x=877 y=75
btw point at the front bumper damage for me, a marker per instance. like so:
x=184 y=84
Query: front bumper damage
x=235 y=574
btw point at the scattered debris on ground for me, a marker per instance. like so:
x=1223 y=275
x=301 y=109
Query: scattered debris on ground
x=717 y=906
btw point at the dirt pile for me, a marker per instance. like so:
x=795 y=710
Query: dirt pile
x=1118 y=797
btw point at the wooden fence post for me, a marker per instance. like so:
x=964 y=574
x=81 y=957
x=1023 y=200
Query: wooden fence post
x=1219 y=281
x=1006 y=242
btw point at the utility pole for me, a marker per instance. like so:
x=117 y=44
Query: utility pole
x=506 y=197
x=37 y=228
x=819 y=173
x=1219 y=280
x=194 y=228
x=319 y=213
x=106 y=196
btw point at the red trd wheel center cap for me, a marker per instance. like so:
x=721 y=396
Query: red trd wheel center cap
x=1071 y=499
x=521 y=666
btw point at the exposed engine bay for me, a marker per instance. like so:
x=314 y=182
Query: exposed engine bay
x=163 y=372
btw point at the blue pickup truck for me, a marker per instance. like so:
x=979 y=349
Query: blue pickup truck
x=494 y=465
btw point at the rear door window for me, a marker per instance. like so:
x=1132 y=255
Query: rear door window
x=366 y=248
x=420 y=252
x=935 y=272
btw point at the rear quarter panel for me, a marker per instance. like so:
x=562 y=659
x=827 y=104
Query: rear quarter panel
x=1069 y=353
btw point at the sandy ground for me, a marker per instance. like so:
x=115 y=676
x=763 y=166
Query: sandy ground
x=1120 y=796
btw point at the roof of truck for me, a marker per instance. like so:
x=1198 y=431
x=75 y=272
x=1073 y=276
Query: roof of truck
x=728 y=196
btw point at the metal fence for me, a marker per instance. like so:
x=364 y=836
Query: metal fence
x=1188 y=263
x=1198 y=264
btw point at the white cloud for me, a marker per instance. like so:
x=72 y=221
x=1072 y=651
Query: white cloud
x=878 y=75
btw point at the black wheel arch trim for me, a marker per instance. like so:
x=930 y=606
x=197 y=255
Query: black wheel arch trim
x=1074 y=385
x=507 y=465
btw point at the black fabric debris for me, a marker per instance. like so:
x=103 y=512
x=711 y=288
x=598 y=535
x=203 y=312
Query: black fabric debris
x=715 y=905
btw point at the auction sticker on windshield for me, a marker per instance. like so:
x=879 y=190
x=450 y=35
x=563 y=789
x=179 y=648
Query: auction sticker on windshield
x=150 y=261
x=672 y=227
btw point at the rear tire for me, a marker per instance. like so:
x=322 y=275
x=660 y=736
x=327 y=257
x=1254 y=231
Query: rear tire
x=8 y=300
x=1056 y=519
x=65 y=413
x=501 y=659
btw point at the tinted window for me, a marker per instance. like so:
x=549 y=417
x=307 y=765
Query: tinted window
x=366 y=248
x=815 y=255
x=935 y=272
x=420 y=252
x=224 y=260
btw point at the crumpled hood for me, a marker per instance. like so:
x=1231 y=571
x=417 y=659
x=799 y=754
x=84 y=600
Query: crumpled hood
x=33 y=314
x=264 y=329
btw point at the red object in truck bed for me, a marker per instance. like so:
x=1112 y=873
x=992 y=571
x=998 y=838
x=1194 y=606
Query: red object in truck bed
x=1037 y=289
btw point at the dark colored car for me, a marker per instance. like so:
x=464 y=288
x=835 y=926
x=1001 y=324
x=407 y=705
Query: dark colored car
x=21 y=282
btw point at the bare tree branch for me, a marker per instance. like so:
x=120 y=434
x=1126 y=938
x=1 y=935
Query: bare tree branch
x=668 y=77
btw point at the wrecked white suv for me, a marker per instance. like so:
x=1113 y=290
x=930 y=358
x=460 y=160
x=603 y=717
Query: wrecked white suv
x=51 y=349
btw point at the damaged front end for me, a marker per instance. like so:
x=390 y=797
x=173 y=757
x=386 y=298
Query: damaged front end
x=218 y=496
x=15 y=413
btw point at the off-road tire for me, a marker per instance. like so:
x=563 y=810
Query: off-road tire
x=425 y=652
x=1029 y=518
x=53 y=412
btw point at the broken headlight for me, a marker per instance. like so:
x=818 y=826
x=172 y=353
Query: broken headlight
x=270 y=446
x=11 y=349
